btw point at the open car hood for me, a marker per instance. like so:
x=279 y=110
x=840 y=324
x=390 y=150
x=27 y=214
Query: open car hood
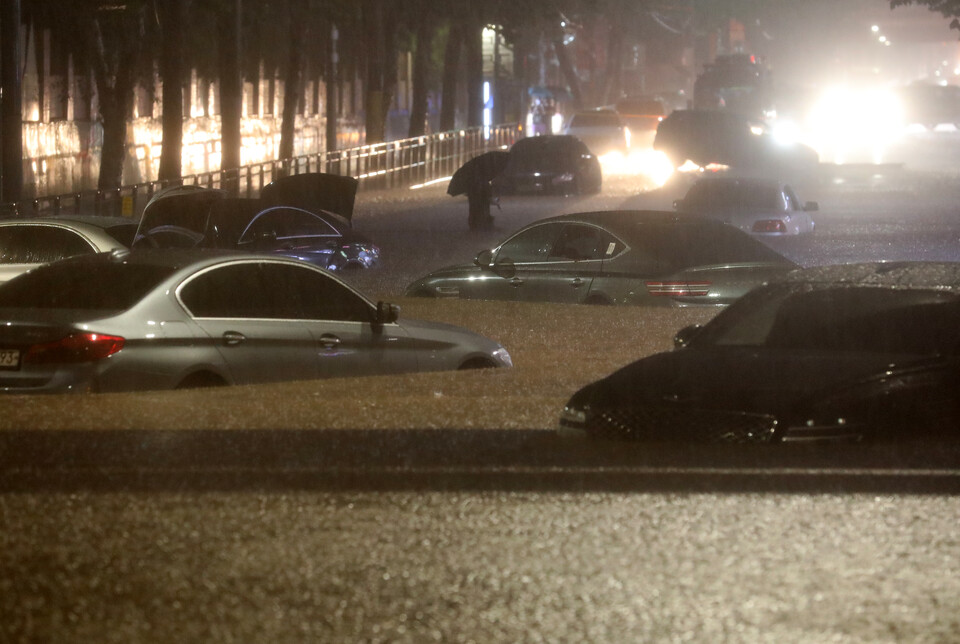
x=313 y=191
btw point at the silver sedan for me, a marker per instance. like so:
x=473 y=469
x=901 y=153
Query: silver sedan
x=169 y=319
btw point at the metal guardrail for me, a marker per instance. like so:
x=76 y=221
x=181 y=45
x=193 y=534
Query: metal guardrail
x=393 y=164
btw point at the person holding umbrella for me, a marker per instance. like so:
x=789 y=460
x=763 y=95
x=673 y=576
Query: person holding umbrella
x=473 y=179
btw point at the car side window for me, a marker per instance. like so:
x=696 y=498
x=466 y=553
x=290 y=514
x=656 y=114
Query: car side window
x=320 y=297
x=241 y=290
x=286 y=222
x=580 y=242
x=530 y=246
x=33 y=244
x=793 y=204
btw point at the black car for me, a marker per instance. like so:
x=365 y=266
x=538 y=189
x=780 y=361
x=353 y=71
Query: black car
x=550 y=164
x=305 y=217
x=854 y=352
x=614 y=257
x=726 y=138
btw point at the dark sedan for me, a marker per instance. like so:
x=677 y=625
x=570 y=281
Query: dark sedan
x=550 y=164
x=305 y=217
x=614 y=257
x=855 y=352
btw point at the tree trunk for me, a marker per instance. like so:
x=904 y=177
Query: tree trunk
x=11 y=120
x=173 y=17
x=391 y=59
x=114 y=73
x=331 y=77
x=612 y=75
x=293 y=76
x=375 y=121
x=448 y=90
x=421 y=72
x=569 y=73
x=474 y=48
x=231 y=94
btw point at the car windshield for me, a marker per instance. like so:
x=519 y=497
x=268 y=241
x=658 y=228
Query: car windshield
x=540 y=154
x=102 y=286
x=722 y=195
x=841 y=319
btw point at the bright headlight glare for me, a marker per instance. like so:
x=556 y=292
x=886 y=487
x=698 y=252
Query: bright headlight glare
x=503 y=356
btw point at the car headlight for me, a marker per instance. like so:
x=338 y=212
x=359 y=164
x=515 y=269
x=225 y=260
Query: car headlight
x=502 y=356
x=566 y=177
x=573 y=417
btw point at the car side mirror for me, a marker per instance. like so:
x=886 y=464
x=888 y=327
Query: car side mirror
x=484 y=258
x=685 y=335
x=811 y=206
x=387 y=313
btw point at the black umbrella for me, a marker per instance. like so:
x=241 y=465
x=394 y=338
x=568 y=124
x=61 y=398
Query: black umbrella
x=477 y=170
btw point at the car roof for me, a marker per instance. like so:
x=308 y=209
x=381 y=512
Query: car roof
x=743 y=182
x=631 y=218
x=177 y=258
x=907 y=275
x=94 y=221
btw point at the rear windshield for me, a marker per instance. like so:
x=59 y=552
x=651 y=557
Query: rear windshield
x=723 y=195
x=684 y=246
x=844 y=318
x=595 y=119
x=90 y=286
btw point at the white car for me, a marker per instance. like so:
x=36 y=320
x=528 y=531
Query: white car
x=27 y=243
x=602 y=130
x=763 y=207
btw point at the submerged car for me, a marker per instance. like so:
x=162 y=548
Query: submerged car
x=765 y=207
x=854 y=352
x=602 y=130
x=304 y=216
x=169 y=319
x=614 y=257
x=550 y=164
x=28 y=243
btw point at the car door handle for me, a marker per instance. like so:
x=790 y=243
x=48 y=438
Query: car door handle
x=329 y=341
x=516 y=281
x=232 y=338
x=576 y=282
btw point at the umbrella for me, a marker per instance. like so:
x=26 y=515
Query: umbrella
x=477 y=170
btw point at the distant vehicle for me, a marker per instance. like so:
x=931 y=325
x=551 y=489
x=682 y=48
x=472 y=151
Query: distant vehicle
x=854 y=352
x=549 y=164
x=602 y=130
x=736 y=83
x=614 y=257
x=764 y=207
x=713 y=137
x=931 y=105
x=642 y=114
x=27 y=243
x=142 y=320
x=303 y=216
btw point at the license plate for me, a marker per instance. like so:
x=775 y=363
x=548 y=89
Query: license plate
x=9 y=358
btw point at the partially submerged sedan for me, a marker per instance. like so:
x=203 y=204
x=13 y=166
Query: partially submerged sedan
x=305 y=216
x=27 y=243
x=759 y=206
x=614 y=257
x=174 y=319
x=854 y=352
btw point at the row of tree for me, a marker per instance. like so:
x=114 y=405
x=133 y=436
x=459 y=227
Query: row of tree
x=124 y=42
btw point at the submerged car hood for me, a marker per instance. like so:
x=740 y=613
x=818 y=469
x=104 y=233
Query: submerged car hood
x=740 y=379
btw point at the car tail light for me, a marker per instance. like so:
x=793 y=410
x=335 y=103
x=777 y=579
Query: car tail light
x=76 y=347
x=679 y=289
x=769 y=226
